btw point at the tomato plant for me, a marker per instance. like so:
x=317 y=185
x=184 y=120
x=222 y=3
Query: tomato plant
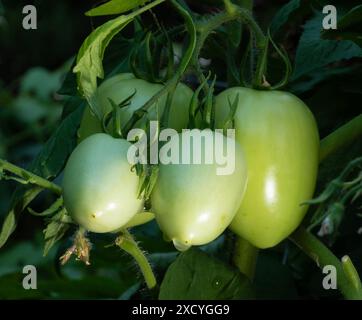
x=283 y=86
x=103 y=197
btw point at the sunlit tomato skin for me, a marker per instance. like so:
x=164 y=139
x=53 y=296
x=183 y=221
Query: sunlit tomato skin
x=120 y=87
x=280 y=138
x=193 y=205
x=99 y=187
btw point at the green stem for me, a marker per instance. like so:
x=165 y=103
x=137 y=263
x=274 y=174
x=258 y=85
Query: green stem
x=178 y=74
x=232 y=12
x=347 y=277
x=351 y=193
x=246 y=17
x=128 y=244
x=341 y=137
x=351 y=273
x=29 y=177
x=348 y=280
x=245 y=256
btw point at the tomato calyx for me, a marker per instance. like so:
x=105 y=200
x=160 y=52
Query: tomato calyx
x=80 y=248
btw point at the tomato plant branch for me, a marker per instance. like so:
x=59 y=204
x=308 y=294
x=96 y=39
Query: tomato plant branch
x=245 y=256
x=351 y=273
x=347 y=278
x=172 y=83
x=27 y=177
x=126 y=242
x=341 y=137
x=232 y=12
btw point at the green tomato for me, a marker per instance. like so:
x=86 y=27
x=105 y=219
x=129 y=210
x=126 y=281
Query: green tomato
x=99 y=187
x=192 y=204
x=120 y=87
x=280 y=138
x=89 y=125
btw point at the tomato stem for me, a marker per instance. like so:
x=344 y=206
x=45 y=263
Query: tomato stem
x=245 y=257
x=351 y=272
x=341 y=137
x=27 y=177
x=171 y=83
x=127 y=243
x=348 y=280
x=232 y=12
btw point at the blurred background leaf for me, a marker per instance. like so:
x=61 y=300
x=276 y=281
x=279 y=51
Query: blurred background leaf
x=314 y=52
x=348 y=27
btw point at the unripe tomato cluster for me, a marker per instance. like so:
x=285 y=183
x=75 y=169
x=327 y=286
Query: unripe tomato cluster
x=276 y=161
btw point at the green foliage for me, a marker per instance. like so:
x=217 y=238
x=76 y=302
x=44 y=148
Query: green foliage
x=89 y=65
x=283 y=15
x=334 y=199
x=20 y=201
x=115 y=7
x=56 y=229
x=348 y=27
x=314 y=53
x=51 y=160
x=195 y=275
x=48 y=164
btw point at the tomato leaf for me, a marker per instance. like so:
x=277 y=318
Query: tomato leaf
x=49 y=162
x=115 y=60
x=89 y=60
x=21 y=199
x=348 y=27
x=69 y=85
x=56 y=229
x=313 y=52
x=316 y=77
x=282 y=16
x=196 y=275
x=72 y=104
x=351 y=18
x=49 y=211
x=115 y=7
